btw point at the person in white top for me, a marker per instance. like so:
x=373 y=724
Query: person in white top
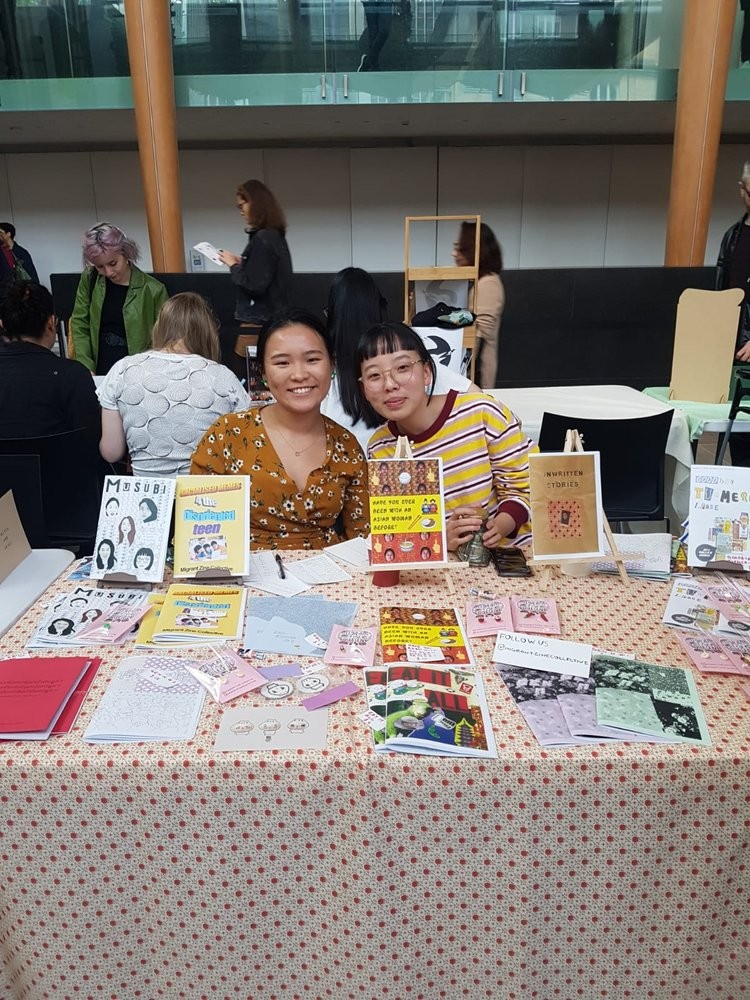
x=157 y=405
x=355 y=303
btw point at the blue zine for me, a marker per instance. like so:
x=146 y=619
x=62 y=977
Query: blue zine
x=280 y=624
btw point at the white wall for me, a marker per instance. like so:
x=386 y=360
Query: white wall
x=550 y=206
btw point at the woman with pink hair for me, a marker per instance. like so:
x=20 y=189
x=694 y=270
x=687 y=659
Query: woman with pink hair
x=116 y=303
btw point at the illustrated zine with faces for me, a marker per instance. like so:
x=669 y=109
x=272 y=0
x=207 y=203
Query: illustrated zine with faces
x=133 y=530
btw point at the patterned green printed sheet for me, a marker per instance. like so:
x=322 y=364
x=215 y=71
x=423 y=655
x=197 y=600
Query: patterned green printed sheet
x=647 y=698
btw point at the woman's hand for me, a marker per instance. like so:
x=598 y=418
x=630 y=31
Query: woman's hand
x=229 y=258
x=744 y=353
x=462 y=523
x=498 y=528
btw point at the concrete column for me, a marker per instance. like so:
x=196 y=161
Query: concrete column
x=704 y=64
x=150 y=52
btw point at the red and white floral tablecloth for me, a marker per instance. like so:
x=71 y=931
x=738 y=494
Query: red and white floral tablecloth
x=167 y=870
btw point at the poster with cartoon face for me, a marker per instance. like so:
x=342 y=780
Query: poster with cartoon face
x=407 y=515
x=566 y=506
x=133 y=530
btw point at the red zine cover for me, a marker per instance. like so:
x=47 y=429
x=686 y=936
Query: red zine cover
x=74 y=704
x=33 y=690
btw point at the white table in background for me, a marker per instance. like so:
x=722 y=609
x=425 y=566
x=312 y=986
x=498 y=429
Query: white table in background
x=605 y=402
x=28 y=581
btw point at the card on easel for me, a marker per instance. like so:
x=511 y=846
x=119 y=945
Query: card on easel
x=566 y=506
x=407 y=513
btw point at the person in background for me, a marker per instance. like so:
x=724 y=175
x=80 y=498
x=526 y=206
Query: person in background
x=490 y=295
x=262 y=275
x=18 y=254
x=733 y=271
x=116 y=303
x=158 y=404
x=355 y=303
x=485 y=454
x=40 y=393
x=308 y=475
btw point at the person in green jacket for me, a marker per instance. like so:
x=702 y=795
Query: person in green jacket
x=116 y=303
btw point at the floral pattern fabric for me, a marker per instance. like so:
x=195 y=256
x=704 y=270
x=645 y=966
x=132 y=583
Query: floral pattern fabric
x=281 y=515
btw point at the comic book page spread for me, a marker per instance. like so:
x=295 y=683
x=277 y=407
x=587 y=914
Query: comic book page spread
x=566 y=506
x=407 y=515
x=424 y=635
x=133 y=530
x=212 y=526
x=431 y=710
x=719 y=515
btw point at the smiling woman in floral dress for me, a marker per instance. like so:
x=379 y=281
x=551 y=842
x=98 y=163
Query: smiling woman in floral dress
x=308 y=479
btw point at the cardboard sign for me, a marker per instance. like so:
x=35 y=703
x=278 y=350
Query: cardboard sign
x=705 y=335
x=566 y=505
x=14 y=546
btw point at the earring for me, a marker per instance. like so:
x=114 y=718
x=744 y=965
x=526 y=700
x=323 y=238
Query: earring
x=333 y=374
x=263 y=381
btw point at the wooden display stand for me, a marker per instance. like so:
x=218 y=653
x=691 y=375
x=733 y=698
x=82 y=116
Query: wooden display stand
x=443 y=273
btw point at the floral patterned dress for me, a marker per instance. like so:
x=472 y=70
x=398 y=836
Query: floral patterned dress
x=281 y=515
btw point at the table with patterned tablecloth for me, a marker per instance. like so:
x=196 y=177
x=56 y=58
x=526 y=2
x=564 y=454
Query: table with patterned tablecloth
x=172 y=871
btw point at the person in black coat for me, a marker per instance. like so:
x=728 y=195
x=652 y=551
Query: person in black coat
x=263 y=273
x=41 y=393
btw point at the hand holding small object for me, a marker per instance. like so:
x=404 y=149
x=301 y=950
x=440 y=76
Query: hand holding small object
x=229 y=258
x=462 y=523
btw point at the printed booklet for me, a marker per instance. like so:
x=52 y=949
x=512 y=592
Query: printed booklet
x=197 y=615
x=428 y=709
x=133 y=530
x=424 y=635
x=212 y=526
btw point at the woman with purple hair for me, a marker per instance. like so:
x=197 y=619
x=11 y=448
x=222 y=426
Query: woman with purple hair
x=116 y=303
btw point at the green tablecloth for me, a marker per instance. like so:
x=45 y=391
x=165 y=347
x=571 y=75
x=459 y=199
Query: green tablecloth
x=696 y=414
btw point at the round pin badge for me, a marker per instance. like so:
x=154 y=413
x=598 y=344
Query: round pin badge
x=277 y=689
x=312 y=683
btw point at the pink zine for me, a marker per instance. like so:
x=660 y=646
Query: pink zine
x=536 y=615
x=225 y=676
x=488 y=617
x=354 y=647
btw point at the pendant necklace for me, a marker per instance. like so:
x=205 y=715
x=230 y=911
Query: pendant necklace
x=299 y=452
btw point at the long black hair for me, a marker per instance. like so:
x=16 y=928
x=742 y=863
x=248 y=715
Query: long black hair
x=355 y=303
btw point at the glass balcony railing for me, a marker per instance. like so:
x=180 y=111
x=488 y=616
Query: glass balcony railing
x=73 y=53
x=52 y=51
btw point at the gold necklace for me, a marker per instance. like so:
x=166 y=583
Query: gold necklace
x=301 y=450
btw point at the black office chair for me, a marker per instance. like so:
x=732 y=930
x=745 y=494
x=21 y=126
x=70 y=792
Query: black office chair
x=20 y=474
x=740 y=404
x=632 y=454
x=68 y=475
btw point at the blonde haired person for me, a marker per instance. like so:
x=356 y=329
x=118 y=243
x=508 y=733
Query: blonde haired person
x=116 y=303
x=157 y=405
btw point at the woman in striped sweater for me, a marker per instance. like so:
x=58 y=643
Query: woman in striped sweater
x=485 y=454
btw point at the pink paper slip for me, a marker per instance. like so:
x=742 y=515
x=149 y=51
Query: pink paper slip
x=488 y=617
x=535 y=615
x=330 y=696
